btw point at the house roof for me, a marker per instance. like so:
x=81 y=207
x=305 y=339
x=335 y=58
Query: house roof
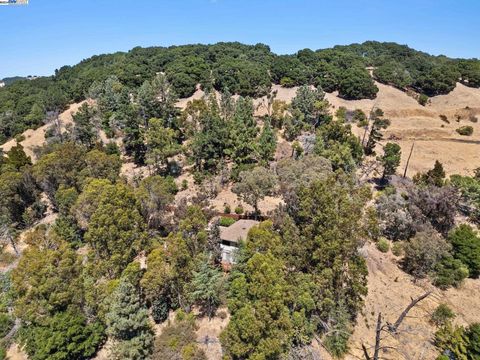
x=237 y=231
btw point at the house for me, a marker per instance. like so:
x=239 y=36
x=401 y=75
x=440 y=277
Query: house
x=232 y=235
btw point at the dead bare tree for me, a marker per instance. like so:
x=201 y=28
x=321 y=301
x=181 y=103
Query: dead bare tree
x=389 y=328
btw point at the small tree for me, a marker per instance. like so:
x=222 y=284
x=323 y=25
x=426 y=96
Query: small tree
x=442 y=315
x=128 y=325
x=390 y=159
x=254 y=185
x=375 y=135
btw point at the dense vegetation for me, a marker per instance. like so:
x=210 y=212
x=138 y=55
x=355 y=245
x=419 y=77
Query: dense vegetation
x=242 y=69
x=117 y=253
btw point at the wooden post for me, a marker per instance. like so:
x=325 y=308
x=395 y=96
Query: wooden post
x=408 y=160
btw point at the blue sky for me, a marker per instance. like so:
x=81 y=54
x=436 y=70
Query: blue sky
x=38 y=38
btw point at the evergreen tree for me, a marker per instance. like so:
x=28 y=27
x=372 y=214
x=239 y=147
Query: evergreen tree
x=161 y=144
x=243 y=133
x=375 y=134
x=209 y=143
x=267 y=143
x=390 y=159
x=207 y=286
x=84 y=131
x=65 y=336
x=16 y=157
x=116 y=230
x=128 y=325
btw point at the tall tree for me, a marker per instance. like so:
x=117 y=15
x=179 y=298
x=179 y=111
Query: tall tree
x=128 y=324
x=84 y=131
x=161 y=144
x=116 y=230
x=243 y=133
x=267 y=143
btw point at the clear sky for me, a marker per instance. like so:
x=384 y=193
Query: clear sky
x=38 y=38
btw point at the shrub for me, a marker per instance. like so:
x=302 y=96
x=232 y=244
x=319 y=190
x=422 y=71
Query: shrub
x=239 y=210
x=287 y=82
x=184 y=184
x=225 y=221
x=397 y=249
x=6 y=324
x=423 y=252
x=383 y=245
x=160 y=309
x=466 y=248
x=227 y=209
x=395 y=220
x=442 y=315
x=465 y=130
x=423 y=99
x=449 y=272
x=444 y=119
x=222 y=315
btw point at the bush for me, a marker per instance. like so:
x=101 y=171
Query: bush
x=442 y=315
x=6 y=324
x=225 y=221
x=449 y=272
x=239 y=210
x=466 y=248
x=383 y=245
x=227 y=209
x=397 y=249
x=423 y=99
x=184 y=184
x=423 y=252
x=465 y=130
x=287 y=82
x=222 y=315
x=444 y=119
x=160 y=309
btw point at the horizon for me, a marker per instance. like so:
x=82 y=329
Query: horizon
x=49 y=34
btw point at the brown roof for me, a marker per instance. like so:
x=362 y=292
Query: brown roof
x=237 y=231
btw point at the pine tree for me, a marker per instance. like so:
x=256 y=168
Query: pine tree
x=243 y=133
x=161 y=144
x=375 y=135
x=267 y=143
x=390 y=159
x=127 y=324
x=84 y=131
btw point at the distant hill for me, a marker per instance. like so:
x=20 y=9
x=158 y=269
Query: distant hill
x=10 y=80
x=247 y=70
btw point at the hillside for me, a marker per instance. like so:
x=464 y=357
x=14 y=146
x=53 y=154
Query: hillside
x=223 y=202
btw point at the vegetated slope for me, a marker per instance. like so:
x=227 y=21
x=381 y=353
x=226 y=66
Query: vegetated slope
x=242 y=69
x=390 y=290
x=36 y=137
